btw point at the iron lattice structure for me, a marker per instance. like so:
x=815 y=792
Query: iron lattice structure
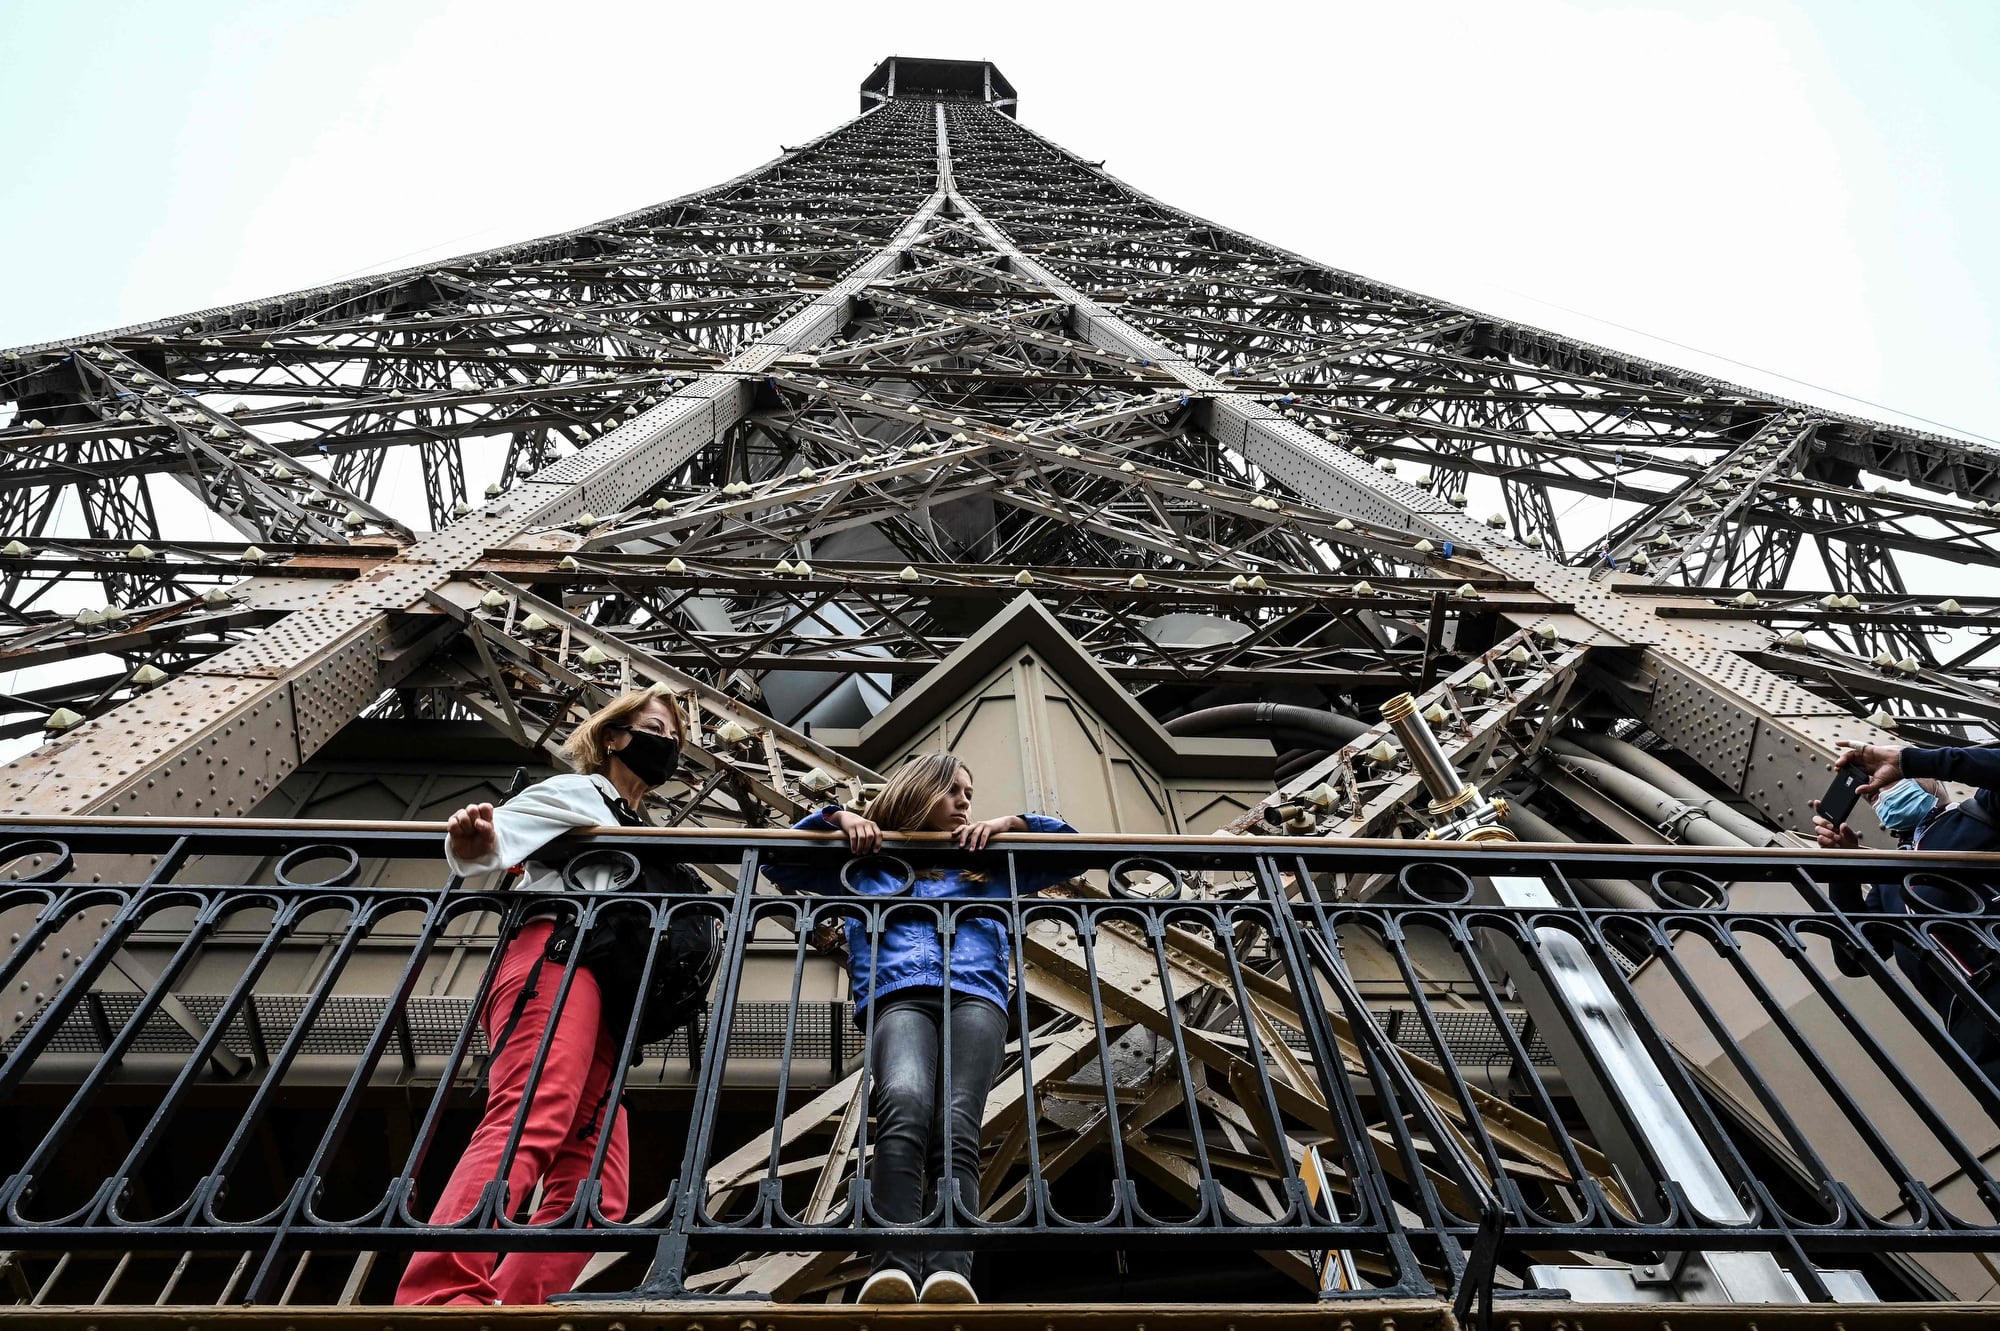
x=932 y=355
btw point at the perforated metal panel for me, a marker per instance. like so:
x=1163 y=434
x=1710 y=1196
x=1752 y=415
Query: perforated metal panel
x=432 y=1022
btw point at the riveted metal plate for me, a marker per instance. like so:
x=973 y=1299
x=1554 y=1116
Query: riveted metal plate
x=1265 y=426
x=476 y=531
x=1828 y=731
x=1740 y=635
x=1753 y=686
x=541 y=540
x=225 y=772
x=286 y=593
x=1571 y=628
x=1784 y=775
x=89 y=769
x=522 y=506
x=1322 y=472
x=392 y=586
x=460 y=592
x=286 y=645
x=709 y=387
x=1707 y=726
x=621 y=466
x=332 y=691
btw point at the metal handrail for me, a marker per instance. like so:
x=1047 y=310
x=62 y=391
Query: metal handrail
x=1240 y=982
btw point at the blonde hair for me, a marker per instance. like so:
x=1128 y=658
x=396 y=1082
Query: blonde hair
x=586 y=744
x=904 y=802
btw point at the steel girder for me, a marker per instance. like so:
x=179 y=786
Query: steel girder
x=935 y=341
x=232 y=726
x=1761 y=736
x=849 y=618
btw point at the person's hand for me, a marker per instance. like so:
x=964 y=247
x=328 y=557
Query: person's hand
x=974 y=836
x=829 y=936
x=1882 y=762
x=863 y=837
x=1830 y=837
x=470 y=832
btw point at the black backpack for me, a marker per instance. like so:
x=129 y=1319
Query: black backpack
x=619 y=939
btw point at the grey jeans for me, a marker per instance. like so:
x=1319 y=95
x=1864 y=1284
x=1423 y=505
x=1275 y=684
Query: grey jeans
x=912 y=1111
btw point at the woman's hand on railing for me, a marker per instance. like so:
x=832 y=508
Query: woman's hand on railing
x=470 y=832
x=863 y=836
x=974 y=836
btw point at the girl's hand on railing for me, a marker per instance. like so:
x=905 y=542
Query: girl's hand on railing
x=974 y=836
x=863 y=837
x=470 y=832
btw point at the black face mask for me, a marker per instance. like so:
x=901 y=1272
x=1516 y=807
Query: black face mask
x=651 y=757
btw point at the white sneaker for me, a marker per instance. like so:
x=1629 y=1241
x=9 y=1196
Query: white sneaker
x=889 y=1286
x=947 y=1287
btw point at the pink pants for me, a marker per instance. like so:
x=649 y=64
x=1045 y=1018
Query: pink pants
x=557 y=1140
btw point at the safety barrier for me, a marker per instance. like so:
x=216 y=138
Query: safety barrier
x=1347 y=1057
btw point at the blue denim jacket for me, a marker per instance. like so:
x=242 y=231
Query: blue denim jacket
x=911 y=952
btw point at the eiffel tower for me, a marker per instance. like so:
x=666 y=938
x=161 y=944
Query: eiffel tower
x=930 y=431
x=931 y=356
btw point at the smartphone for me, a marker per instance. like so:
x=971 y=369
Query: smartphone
x=1840 y=797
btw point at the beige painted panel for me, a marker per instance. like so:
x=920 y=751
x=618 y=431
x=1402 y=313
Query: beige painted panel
x=1081 y=789
x=1143 y=802
x=1831 y=1133
x=1202 y=807
x=988 y=737
x=1033 y=744
x=985 y=728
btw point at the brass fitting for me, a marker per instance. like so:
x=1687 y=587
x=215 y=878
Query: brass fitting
x=1465 y=796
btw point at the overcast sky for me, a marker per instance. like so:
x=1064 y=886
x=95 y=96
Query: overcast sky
x=1809 y=189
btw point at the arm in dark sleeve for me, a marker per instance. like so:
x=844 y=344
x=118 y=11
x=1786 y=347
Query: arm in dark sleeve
x=1972 y=767
x=800 y=877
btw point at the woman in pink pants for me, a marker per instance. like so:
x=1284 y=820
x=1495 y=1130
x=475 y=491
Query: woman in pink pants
x=621 y=752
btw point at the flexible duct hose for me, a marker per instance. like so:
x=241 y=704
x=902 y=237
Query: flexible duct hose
x=1686 y=822
x=1650 y=769
x=1617 y=893
x=1293 y=761
x=1299 y=727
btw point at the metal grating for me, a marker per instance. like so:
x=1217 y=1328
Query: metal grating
x=433 y=1023
x=1472 y=1038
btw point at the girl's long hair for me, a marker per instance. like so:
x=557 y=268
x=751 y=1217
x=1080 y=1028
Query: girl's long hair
x=916 y=786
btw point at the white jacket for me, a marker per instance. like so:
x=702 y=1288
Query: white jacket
x=537 y=816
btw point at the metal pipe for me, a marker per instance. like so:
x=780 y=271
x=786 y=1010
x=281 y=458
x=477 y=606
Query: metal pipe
x=1649 y=768
x=1450 y=792
x=1320 y=729
x=1683 y=822
x=1632 y=1108
x=1618 y=893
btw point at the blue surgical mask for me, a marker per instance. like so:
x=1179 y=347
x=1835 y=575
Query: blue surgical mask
x=1904 y=806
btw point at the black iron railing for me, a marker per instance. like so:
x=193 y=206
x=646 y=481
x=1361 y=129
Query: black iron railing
x=1349 y=1057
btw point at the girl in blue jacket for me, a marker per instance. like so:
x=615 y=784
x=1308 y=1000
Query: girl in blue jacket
x=904 y=977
